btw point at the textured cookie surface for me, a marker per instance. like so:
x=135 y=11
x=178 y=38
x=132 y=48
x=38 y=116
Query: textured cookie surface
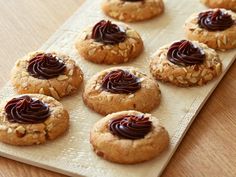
x=227 y=4
x=221 y=40
x=98 y=52
x=145 y=99
x=127 y=151
x=38 y=133
x=64 y=84
x=133 y=11
x=198 y=74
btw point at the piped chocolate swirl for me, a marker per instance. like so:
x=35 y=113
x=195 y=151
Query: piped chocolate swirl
x=217 y=20
x=130 y=126
x=26 y=110
x=108 y=33
x=185 y=53
x=46 y=66
x=121 y=82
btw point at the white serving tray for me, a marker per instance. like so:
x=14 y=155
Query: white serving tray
x=71 y=154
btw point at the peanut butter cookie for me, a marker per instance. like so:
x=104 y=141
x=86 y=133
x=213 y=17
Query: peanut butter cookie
x=215 y=27
x=121 y=88
x=32 y=119
x=133 y=10
x=51 y=74
x=128 y=137
x=226 y=4
x=109 y=43
x=185 y=63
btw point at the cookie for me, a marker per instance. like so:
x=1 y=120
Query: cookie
x=226 y=4
x=133 y=10
x=109 y=43
x=121 y=88
x=215 y=27
x=52 y=74
x=128 y=137
x=32 y=119
x=185 y=63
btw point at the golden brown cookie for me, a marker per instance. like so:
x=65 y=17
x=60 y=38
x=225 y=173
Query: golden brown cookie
x=215 y=27
x=109 y=43
x=226 y=4
x=121 y=88
x=185 y=63
x=51 y=74
x=32 y=119
x=128 y=137
x=131 y=11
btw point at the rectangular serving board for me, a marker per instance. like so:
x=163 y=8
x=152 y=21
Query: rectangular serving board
x=72 y=154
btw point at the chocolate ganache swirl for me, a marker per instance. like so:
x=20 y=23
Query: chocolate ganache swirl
x=121 y=81
x=130 y=126
x=108 y=33
x=185 y=53
x=46 y=66
x=215 y=20
x=26 y=110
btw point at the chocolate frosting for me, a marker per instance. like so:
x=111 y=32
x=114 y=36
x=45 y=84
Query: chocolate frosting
x=46 y=66
x=121 y=81
x=130 y=127
x=215 y=20
x=185 y=53
x=108 y=33
x=26 y=110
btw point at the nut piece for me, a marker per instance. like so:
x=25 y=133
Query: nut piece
x=70 y=73
x=3 y=127
x=50 y=126
x=69 y=89
x=92 y=52
x=54 y=93
x=193 y=80
x=9 y=130
x=20 y=131
x=62 y=77
x=122 y=46
x=208 y=77
x=41 y=91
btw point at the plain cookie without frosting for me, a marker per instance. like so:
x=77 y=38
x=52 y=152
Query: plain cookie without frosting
x=133 y=11
x=226 y=4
